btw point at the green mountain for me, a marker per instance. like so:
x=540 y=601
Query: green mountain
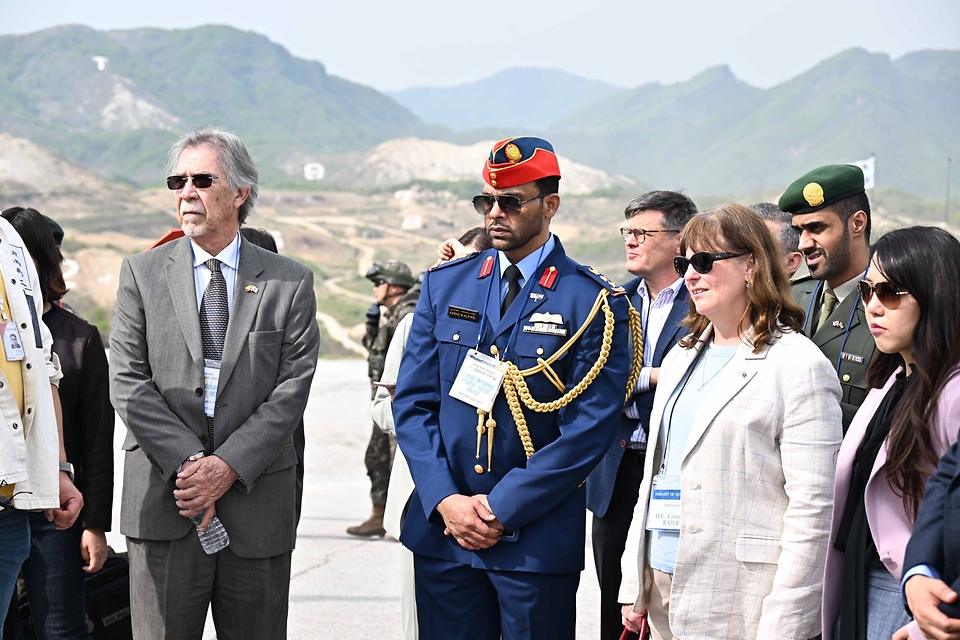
x=520 y=99
x=715 y=134
x=115 y=100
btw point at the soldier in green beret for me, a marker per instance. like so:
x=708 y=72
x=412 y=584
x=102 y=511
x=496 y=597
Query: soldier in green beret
x=832 y=213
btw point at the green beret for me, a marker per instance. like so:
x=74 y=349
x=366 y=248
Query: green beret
x=821 y=188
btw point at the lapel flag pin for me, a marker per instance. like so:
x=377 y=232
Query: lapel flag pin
x=251 y=288
x=838 y=324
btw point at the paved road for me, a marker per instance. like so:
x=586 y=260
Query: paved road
x=342 y=587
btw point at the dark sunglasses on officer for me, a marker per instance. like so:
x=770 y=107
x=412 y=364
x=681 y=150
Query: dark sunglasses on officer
x=510 y=205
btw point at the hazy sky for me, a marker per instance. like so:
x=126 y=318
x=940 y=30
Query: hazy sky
x=393 y=45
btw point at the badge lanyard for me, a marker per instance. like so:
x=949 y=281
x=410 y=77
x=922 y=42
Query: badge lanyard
x=676 y=399
x=853 y=312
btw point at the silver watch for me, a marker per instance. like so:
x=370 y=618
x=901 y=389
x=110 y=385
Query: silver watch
x=68 y=467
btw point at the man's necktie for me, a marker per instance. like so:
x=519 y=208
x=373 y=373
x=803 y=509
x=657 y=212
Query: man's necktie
x=829 y=304
x=214 y=315
x=512 y=275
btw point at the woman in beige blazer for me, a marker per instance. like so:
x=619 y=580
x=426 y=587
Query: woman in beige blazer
x=729 y=536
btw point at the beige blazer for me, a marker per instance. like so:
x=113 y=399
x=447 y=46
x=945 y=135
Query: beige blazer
x=757 y=489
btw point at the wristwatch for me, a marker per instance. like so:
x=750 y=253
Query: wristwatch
x=68 y=467
x=196 y=456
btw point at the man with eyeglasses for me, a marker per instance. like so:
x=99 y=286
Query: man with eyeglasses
x=395 y=297
x=831 y=211
x=651 y=237
x=213 y=349
x=509 y=393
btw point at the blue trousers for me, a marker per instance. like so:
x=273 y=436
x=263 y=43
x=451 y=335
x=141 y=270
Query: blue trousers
x=885 y=612
x=14 y=549
x=56 y=582
x=458 y=602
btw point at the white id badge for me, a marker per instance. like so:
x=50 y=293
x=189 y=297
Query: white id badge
x=12 y=344
x=663 y=513
x=211 y=378
x=479 y=380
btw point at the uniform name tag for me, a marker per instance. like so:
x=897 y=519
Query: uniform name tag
x=663 y=513
x=463 y=314
x=12 y=344
x=850 y=357
x=211 y=378
x=479 y=380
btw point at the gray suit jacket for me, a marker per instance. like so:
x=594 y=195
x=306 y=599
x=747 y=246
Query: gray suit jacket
x=156 y=362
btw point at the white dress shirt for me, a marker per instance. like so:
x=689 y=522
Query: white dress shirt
x=229 y=259
x=654 y=314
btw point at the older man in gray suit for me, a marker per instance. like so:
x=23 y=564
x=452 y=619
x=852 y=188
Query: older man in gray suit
x=213 y=349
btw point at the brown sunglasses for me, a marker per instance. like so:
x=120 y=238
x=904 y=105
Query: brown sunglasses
x=887 y=293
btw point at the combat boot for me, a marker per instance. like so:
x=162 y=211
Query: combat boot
x=372 y=527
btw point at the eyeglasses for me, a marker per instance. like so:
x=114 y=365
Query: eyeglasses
x=887 y=293
x=483 y=203
x=641 y=235
x=379 y=282
x=200 y=181
x=701 y=261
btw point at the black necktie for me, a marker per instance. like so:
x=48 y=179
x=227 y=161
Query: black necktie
x=214 y=315
x=512 y=275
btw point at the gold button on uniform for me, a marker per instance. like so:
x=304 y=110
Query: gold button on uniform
x=539 y=351
x=493 y=183
x=846 y=377
x=478 y=468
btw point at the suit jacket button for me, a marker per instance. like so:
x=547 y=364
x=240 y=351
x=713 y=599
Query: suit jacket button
x=198 y=391
x=203 y=437
x=623 y=443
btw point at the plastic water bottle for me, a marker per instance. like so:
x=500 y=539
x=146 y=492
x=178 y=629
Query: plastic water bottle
x=215 y=538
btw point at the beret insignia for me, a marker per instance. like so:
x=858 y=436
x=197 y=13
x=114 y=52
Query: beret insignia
x=813 y=194
x=513 y=153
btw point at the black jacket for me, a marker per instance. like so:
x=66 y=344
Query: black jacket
x=88 y=417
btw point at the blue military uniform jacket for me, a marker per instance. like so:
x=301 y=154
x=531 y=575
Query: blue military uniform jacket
x=602 y=480
x=540 y=501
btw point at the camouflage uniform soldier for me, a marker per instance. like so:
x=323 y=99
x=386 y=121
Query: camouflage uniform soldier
x=396 y=296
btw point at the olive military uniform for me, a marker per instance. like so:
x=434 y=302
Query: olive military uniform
x=846 y=343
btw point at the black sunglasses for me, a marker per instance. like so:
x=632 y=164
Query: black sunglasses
x=200 y=181
x=701 y=261
x=887 y=293
x=483 y=203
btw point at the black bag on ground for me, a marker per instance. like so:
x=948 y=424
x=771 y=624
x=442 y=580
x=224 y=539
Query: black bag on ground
x=108 y=600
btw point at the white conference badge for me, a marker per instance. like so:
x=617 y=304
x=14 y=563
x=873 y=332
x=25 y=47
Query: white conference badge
x=12 y=344
x=479 y=380
x=663 y=513
x=211 y=378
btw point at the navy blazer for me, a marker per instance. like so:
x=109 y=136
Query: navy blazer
x=936 y=534
x=540 y=501
x=601 y=480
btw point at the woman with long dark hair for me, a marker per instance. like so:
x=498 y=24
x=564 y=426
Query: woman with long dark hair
x=908 y=420
x=729 y=535
x=56 y=570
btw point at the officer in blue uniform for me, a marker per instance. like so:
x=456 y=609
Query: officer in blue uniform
x=497 y=520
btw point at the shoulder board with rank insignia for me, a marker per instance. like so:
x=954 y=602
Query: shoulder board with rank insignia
x=604 y=281
x=449 y=263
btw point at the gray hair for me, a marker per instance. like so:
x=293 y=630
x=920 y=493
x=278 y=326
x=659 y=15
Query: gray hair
x=234 y=158
x=789 y=237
